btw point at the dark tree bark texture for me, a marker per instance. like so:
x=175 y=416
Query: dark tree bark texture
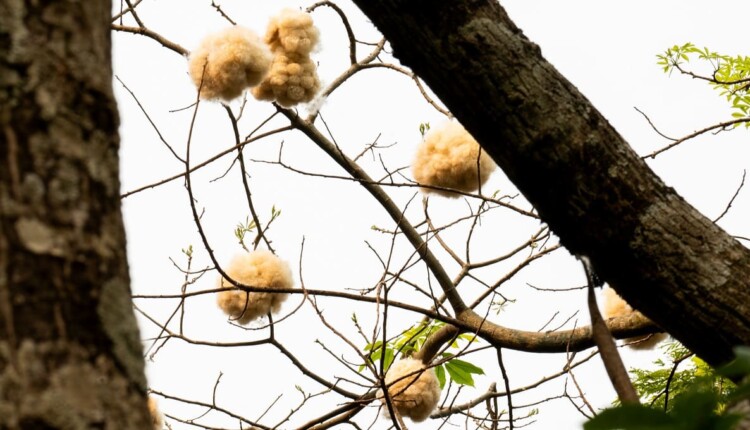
x=70 y=353
x=598 y=196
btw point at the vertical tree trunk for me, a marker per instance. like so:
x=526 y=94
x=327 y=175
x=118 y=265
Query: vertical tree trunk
x=70 y=353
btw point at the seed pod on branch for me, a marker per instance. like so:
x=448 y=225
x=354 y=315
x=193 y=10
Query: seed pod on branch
x=260 y=269
x=449 y=157
x=228 y=62
x=414 y=389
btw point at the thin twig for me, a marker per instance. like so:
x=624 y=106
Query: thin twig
x=150 y=121
x=210 y=407
x=653 y=127
x=221 y=12
x=124 y=11
x=736 y=193
x=134 y=14
x=152 y=35
x=720 y=126
x=507 y=387
x=204 y=163
x=676 y=363
x=444 y=412
x=347 y=26
x=243 y=172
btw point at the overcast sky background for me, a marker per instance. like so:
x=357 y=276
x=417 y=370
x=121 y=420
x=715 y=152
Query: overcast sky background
x=606 y=48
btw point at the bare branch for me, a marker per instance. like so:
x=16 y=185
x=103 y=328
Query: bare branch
x=152 y=35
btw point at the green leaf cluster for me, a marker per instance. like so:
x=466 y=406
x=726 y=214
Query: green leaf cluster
x=731 y=74
x=698 y=405
x=248 y=226
x=424 y=128
x=411 y=340
x=651 y=384
x=693 y=411
x=461 y=372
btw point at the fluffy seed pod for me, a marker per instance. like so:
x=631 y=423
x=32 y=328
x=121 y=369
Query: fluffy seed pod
x=292 y=80
x=449 y=157
x=292 y=31
x=616 y=306
x=156 y=418
x=413 y=396
x=228 y=62
x=259 y=269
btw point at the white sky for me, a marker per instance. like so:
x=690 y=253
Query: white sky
x=607 y=49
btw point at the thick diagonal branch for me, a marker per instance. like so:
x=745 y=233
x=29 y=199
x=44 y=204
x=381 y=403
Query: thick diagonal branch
x=594 y=191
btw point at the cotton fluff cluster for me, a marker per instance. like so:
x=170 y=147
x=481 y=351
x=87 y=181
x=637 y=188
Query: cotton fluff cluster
x=259 y=269
x=447 y=157
x=156 y=418
x=616 y=306
x=292 y=31
x=293 y=77
x=228 y=62
x=413 y=396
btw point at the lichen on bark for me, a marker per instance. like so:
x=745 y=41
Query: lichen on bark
x=116 y=315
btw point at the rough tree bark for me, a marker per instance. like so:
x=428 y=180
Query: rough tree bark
x=597 y=195
x=70 y=353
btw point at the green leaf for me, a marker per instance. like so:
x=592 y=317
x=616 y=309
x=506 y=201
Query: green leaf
x=726 y=422
x=424 y=128
x=467 y=367
x=440 y=373
x=695 y=409
x=388 y=359
x=373 y=346
x=742 y=392
x=740 y=366
x=469 y=337
x=458 y=374
x=631 y=417
x=376 y=353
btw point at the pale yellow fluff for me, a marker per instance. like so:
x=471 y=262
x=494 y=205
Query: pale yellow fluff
x=260 y=269
x=292 y=31
x=449 y=157
x=292 y=80
x=233 y=60
x=616 y=306
x=293 y=77
x=156 y=418
x=414 y=396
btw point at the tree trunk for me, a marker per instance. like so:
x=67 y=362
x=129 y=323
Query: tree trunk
x=70 y=353
x=598 y=196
